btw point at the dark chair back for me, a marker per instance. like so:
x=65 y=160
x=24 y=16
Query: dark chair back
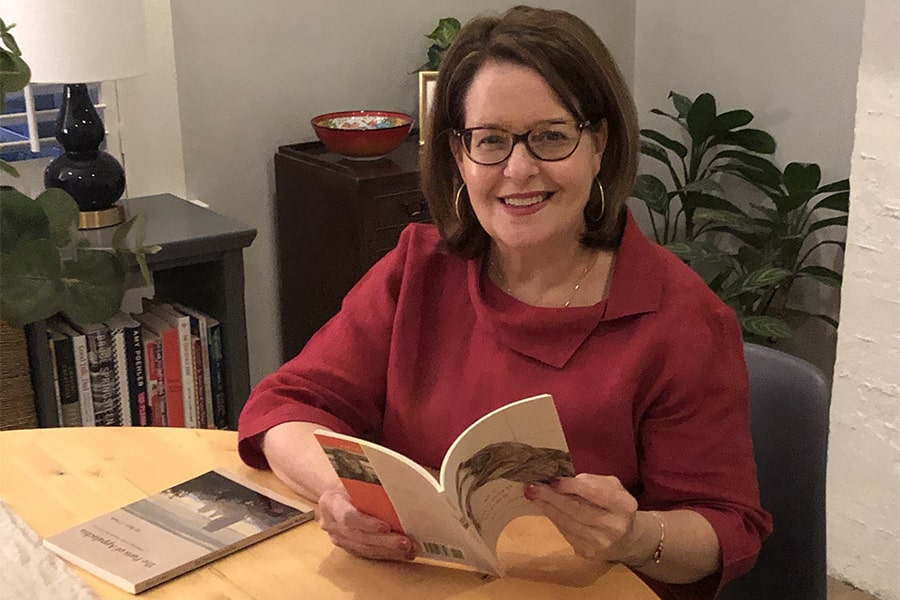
x=789 y=404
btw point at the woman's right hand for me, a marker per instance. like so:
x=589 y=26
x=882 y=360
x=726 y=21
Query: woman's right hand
x=359 y=533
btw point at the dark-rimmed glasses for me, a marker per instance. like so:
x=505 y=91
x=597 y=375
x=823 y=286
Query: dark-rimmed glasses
x=548 y=142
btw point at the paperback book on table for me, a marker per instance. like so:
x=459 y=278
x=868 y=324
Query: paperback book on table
x=177 y=530
x=457 y=517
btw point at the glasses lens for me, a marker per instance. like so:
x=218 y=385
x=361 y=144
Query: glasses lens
x=554 y=141
x=488 y=146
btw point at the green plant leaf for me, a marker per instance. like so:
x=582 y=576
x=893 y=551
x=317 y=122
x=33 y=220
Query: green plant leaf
x=737 y=220
x=682 y=103
x=653 y=151
x=832 y=222
x=755 y=140
x=730 y=120
x=822 y=274
x=842 y=185
x=700 y=253
x=701 y=117
x=94 y=285
x=705 y=185
x=802 y=177
x=653 y=192
x=718 y=203
x=30 y=289
x=446 y=31
x=666 y=142
x=16 y=73
x=839 y=202
x=766 y=327
x=8 y=168
x=62 y=214
x=675 y=118
x=764 y=278
x=21 y=220
x=793 y=201
x=758 y=168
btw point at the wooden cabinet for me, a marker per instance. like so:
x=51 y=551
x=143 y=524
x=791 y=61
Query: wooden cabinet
x=334 y=218
x=200 y=264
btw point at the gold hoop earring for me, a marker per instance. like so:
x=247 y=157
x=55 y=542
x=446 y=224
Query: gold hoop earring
x=595 y=220
x=456 y=202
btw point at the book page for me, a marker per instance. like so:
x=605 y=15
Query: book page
x=487 y=467
x=393 y=488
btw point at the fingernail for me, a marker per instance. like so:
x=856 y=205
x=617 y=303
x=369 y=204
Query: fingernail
x=405 y=546
x=384 y=528
x=555 y=484
x=531 y=491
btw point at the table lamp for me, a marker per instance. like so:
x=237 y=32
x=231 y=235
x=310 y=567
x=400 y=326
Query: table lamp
x=75 y=43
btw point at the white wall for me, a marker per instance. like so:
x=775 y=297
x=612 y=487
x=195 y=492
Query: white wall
x=792 y=64
x=249 y=78
x=864 y=460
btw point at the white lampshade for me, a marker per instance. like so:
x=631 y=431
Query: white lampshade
x=79 y=41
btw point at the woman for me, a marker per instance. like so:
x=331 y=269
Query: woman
x=536 y=279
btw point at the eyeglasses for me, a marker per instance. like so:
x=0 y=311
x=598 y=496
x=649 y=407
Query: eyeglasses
x=548 y=142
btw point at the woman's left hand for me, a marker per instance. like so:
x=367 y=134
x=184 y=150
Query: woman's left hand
x=595 y=514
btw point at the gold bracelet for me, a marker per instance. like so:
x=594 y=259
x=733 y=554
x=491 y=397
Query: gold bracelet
x=657 y=554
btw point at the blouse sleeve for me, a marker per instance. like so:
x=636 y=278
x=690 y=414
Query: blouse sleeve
x=338 y=379
x=697 y=452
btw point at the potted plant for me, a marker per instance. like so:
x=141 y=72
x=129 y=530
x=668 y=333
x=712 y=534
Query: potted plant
x=442 y=36
x=750 y=253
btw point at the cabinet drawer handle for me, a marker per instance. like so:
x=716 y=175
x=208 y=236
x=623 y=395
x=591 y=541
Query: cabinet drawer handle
x=415 y=208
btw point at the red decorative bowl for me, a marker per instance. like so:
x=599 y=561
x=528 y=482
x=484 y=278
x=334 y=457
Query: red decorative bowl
x=362 y=134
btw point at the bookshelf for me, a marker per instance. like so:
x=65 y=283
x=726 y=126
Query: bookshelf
x=201 y=264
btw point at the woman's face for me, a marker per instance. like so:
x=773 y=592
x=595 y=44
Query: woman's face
x=523 y=202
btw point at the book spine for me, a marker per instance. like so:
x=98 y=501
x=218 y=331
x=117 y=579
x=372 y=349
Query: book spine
x=67 y=379
x=123 y=403
x=83 y=374
x=172 y=374
x=199 y=387
x=188 y=389
x=104 y=378
x=137 y=376
x=156 y=384
x=217 y=375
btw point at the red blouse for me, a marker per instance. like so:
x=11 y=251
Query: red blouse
x=650 y=384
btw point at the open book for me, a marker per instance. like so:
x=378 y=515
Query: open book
x=177 y=530
x=459 y=516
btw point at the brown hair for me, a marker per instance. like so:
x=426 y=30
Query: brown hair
x=578 y=67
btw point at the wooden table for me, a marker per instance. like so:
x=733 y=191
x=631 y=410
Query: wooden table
x=57 y=478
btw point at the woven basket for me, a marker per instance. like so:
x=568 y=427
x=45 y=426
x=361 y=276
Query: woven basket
x=17 y=410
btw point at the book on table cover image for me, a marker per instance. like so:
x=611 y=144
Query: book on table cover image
x=177 y=530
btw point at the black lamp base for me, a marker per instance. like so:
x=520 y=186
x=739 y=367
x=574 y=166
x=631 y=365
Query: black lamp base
x=91 y=176
x=97 y=219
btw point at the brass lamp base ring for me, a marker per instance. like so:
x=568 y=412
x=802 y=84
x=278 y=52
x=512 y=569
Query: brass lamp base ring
x=95 y=219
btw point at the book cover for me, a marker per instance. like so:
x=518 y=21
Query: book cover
x=200 y=327
x=126 y=333
x=82 y=371
x=182 y=324
x=458 y=516
x=65 y=369
x=171 y=355
x=178 y=529
x=217 y=373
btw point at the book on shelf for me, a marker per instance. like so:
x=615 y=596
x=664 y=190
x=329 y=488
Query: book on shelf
x=200 y=327
x=104 y=373
x=129 y=352
x=82 y=369
x=187 y=357
x=171 y=372
x=155 y=376
x=62 y=355
x=458 y=516
x=178 y=529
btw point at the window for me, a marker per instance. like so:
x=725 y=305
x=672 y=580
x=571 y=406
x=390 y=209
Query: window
x=15 y=144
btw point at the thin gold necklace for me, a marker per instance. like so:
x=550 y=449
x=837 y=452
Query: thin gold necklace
x=501 y=279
